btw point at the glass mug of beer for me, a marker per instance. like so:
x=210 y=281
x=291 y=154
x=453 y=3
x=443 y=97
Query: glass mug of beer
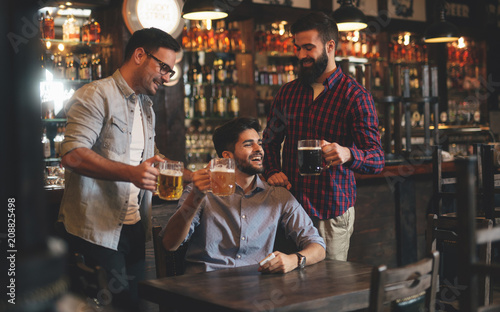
x=310 y=160
x=222 y=176
x=170 y=180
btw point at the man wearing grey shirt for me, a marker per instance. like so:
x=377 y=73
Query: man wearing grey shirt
x=240 y=229
x=108 y=152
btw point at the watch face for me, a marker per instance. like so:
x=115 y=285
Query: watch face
x=162 y=14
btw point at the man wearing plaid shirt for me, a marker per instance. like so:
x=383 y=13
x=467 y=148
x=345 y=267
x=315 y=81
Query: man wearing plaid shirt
x=327 y=105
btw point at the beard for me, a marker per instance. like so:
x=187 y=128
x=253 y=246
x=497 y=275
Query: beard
x=308 y=75
x=246 y=167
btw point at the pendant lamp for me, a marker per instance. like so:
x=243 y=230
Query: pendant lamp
x=202 y=10
x=349 y=17
x=442 y=30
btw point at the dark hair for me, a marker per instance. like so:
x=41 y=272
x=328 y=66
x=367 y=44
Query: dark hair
x=151 y=39
x=323 y=23
x=226 y=136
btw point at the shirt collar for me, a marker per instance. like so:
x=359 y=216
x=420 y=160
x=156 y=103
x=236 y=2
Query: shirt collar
x=333 y=78
x=258 y=186
x=123 y=85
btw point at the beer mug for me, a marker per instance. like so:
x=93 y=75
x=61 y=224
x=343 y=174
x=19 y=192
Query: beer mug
x=310 y=159
x=222 y=176
x=170 y=180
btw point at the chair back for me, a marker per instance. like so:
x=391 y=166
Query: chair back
x=405 y=288
x=88 y=281
x=167 y=263
x=490 y=174
x=470 y=267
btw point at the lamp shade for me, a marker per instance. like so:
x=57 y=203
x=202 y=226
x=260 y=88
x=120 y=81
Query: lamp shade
x=442 y=30
x=349 y=17
x=202 y=10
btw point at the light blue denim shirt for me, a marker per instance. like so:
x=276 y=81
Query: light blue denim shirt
x=240 y=229
x=100 y=117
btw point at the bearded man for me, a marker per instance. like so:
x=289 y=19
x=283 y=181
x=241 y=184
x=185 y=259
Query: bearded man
x=327 y=105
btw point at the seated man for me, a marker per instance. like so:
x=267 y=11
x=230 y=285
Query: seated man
x=240 y=229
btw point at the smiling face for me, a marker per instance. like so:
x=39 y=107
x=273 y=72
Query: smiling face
x=150 y=78
x=311 y=52
x=248 y=153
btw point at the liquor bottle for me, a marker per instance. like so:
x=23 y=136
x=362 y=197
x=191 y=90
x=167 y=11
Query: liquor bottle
x=85 y=31
x=221 y=71
x=41 y=22
x=94 y=31
x=224 y=44
x=195 y=37
x=212 y=102
x=71 y=30
x=377 y=81
x=201 y=104
x=96 y=67
x=195 y=75
x=45 y=144
x=233 y=109
x=48 y=27
x=219 y=109
x=234 y=73
x=186 y=43
x=85 y=71
x=235 y=36
x=229 y=73
x=58 y=141
x=188 y=109
x=59 y=66
x=71 y=67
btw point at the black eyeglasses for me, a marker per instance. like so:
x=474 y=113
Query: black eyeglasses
x=164 y=68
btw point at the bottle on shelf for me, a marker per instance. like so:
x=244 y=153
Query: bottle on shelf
x=94 y=31
x=201 y=104
x=85 y=69
x=96 y=66
x=46 y=144
x=233 y=109
x=71 y=67
x=71 y=29
x=58 y=141
x=59 y=67
x=188 y=109
x=219 y=109
x=48 y=27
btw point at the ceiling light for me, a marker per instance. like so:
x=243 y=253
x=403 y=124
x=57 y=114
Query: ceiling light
x=202 y=10
x=349 y=17
x=442 y=30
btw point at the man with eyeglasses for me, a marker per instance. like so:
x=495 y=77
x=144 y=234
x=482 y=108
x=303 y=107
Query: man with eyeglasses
x=109 y=152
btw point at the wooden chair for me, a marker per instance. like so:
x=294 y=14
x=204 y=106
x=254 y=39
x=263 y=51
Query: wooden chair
x=408 y=288
x=167 y=263
x=88 y=281
x=443 y=185
x=470 y=267
x=442 y=235
x=490 y=172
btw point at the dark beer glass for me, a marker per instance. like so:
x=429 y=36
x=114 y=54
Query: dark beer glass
x=310 y=160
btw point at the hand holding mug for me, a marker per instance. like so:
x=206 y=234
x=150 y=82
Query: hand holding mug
x=335 y=154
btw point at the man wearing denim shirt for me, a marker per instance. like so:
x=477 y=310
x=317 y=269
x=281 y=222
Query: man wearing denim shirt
x=240 y=229
x=109 y=152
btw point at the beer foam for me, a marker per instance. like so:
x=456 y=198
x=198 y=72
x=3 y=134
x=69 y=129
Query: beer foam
x=171 y=172
x=309 y=148
x=222 y=170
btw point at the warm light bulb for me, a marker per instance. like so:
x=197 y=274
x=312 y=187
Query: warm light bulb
x=60 y=47
x=351 y=26
x=48 y=44
x=461 y=43
x=406 y=40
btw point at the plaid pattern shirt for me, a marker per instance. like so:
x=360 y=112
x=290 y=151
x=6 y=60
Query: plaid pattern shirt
x=343 y=112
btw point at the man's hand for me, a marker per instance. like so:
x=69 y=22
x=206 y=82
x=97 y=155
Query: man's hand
x=144 y=175
x=335 y=154
x=282 y=263
x=279 y=179
x=201 y=180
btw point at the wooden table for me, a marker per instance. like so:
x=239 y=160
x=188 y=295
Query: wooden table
x=326 y=286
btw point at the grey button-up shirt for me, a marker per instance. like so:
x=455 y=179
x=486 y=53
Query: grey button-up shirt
x=100 y=117
x=240 y=229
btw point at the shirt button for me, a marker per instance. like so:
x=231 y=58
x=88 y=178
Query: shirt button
x=238 y=256
x=243 y=238
x=244 y=216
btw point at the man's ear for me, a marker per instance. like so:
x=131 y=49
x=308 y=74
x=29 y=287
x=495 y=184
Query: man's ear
x=330 y=46
x=139 y=56
x=227 y=154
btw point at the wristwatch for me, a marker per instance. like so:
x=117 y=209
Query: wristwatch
x=302 y=260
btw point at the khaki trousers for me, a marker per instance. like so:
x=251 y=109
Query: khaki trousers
x=337 y=234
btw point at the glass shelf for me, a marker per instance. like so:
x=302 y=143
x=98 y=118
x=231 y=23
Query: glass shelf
x=77 y=43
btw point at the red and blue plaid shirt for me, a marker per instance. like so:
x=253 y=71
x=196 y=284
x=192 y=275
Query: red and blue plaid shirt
x=344 y=113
